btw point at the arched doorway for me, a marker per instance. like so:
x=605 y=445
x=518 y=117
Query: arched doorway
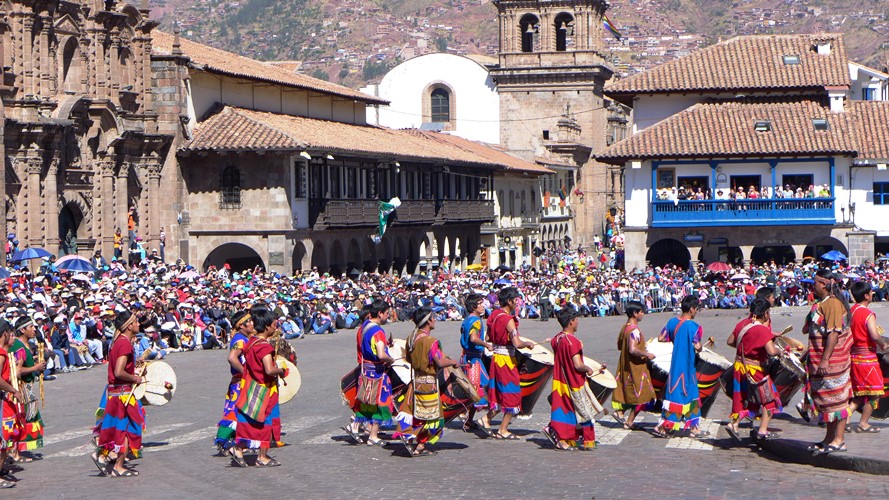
x=668 y=251
x=319 y=257
x=354 y=263
x=69 y=221
x=780 y=254
x=821 y=246
x=299 y=255
x=238 y=256
x=337 y=259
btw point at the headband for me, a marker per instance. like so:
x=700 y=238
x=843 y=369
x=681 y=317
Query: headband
x=127 y=323
x=424 y=320
x=24 y=325
x=243 y=320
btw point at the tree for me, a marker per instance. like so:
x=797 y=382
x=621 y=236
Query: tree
x=320 y=74
x=441 y=44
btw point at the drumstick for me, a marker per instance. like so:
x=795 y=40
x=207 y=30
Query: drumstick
x=710 y=342
x=787 y=329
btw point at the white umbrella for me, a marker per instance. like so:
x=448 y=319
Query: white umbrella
x=740 y=276
x=81 y=277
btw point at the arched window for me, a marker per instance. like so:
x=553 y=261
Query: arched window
x=71 y=66
x=530 y=28
x=230 y=190
x=441 y=106
x=564 y=28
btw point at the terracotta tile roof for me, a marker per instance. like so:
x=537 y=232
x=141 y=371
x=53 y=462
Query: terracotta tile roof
x=726 y=129
x=238 y=129
x=752 y=62
x=872 y=129
x=219 y=61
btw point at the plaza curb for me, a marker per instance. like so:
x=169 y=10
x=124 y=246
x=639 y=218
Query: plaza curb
x=795 y=451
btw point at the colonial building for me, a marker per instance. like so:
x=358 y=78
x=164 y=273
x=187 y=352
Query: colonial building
x=83 y=138
x=770 y=117
x=541 y=99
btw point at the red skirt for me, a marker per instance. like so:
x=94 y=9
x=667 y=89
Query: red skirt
x=867 y=376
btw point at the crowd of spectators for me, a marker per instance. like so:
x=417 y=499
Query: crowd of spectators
x=789 y=191
x=181 y=309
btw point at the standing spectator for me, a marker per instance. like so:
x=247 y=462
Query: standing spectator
x=118 y=244
x=163 y=244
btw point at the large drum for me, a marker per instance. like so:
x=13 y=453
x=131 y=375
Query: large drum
x=289 y=386
x=882 y=410
x=457 y=392
x=535 y=367
x=788 y=372
x=603 y=383
x=159 y=386
x=709 y=367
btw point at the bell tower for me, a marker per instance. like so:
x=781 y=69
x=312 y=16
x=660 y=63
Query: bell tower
x=551 y=60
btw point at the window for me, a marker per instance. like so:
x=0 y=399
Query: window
x=230 y=191
x=351 y=183
x=762 y=126
x=530 y=32
x=820 y=123
x=564 y=26
x=334 y=188
x=546 y=135
x=301 y=185
x=441 y=106
x=869 y=94
x=881 y=193
x=791 y=59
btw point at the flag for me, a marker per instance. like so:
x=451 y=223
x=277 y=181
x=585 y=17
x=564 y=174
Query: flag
x=563 y=193
x=386 y=208
x=611 y=27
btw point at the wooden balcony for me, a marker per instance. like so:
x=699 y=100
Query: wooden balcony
x=465 y=211
x=351 y=213
x=758 y=212
x=415 y=212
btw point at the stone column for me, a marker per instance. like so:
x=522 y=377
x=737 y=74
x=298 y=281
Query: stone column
x=33 y=214
x=799 y=250
x=121 y=202
x=51 y=207
x=154 y=202
x=861 y=247
x=105 y=238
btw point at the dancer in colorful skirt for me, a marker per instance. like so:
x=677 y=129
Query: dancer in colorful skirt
x=634 y=391
x=565 y=430
x=225 y=434
x=867 y=377
x=10 y=425
x=472 y=339
x=373 y=360
x=420 y=419
x=829 y=388
x=123 y=422
x=755 y=344
x=682 y=403
x=28 y=372
x=259 y=416
x=504 y=391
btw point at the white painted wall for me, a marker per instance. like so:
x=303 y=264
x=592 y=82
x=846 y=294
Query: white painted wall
x=864 y=77
x=477 y=106
x=867 y=215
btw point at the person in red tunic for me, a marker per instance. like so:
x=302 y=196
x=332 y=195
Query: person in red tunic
x=867 y=377
x=569 y=374
x=120 y=432
x=8 y=396
x=264 y=431
x=504 y=393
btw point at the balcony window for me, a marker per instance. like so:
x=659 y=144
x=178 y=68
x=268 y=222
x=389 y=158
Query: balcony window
x=881 y=193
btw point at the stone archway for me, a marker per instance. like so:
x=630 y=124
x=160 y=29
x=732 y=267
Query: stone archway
x=337 y=259
x=821 y=246
x=238 y=256
x=355 y=260
x=70 y=219
x=299 y=256
x=668 y=251
x=782 y=254
x=319 y=257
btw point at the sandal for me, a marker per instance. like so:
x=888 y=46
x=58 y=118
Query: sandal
x=866 y=430
x=4 y=484
x=376 y=442
x=271 y=463
x=564 y=447
x=834 y=449
x=485 y=428
x=620 y=419
x=733 y=433
x=699 y=434
x=849 y=428
x=632 y=427
x=469 y=426
x=352 y=434
x=816 y=447
x=424 y=453
x=101 y=465
x=125 y=473
x=659 y=434
x=411 y=447
x=548 y=434
x=507 y=437
x=768 y=436
x=239 y=461
x=22 y=460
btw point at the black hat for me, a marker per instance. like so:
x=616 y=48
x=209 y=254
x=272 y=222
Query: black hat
x=4 y=326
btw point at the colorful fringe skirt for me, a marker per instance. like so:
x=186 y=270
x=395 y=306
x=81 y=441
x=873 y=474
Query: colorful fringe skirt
x=504 y=391
x=225 y=432
x=123 y=422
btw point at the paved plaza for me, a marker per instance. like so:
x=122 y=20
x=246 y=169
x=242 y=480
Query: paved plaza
x=320 y=462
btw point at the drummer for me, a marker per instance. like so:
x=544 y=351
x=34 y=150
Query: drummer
x=569 y=374
x=120 y=432
x=472 y=339
x=504 y=393
x=420 y=419
x=634 y=392
x=867 y=378
x=755 y=345
x=225 y=433
x=264 y=431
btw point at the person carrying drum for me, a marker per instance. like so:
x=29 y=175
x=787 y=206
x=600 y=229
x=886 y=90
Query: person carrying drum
x=504 y=393
x=755 y=345
x=225 y=433
x=373 y=360
x=634 y=392
x=9 y=422
x=570 y=373
x=420 y=419
x=867 y=377
x=472 y=339
x=682 y=402
x=120 y=431
x=259 y=416
x=28 y=370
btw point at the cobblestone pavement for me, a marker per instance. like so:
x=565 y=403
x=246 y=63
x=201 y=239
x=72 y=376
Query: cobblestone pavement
x=320 y=461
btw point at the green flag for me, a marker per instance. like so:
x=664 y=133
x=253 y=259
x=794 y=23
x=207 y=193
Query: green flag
x=386 y=208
